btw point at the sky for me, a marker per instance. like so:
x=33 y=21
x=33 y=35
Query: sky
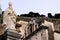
x=25 y=6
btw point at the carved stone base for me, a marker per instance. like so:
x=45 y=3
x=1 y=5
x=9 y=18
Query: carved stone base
x=12 y=35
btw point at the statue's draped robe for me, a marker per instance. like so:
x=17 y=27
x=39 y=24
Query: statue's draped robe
x=9 y=18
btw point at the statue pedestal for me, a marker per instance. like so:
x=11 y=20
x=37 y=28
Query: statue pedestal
x=13 y=35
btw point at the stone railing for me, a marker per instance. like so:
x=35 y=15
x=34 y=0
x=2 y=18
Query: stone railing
x=29 y=33
x=31 y=29
x=56 y=22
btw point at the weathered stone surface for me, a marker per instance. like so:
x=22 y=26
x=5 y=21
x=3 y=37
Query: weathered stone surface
x=56 y=36
x=9 y=17
x=13 y=35
x=41 y=34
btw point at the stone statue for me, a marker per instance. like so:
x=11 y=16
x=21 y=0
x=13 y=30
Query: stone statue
x=9 y=20
x=9 y=17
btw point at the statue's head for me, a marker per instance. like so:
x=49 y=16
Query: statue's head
x=10 y=4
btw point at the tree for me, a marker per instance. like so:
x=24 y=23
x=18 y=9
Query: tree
x=31 y=14
x=42 y=15
x=50 y=15
x=57 y=16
